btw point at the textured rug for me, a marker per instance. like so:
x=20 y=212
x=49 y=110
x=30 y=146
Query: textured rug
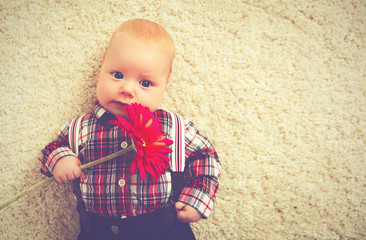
x=279 y=87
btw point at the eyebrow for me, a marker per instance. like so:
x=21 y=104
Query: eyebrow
x=118 y=67
x=146 y=75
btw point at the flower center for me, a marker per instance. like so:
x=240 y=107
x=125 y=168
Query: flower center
x=143 y=142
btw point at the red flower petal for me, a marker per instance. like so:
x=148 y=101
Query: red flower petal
x=164 y=150
x=150 y=143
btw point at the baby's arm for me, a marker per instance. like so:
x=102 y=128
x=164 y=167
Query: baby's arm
x=58 y=153
x=68 y=169
x=202 y=171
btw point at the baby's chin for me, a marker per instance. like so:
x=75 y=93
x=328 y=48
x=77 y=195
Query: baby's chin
x=117 y=111
x=120 y=113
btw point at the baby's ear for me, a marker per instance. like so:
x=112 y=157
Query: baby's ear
x=102 y=64
x=98 y=76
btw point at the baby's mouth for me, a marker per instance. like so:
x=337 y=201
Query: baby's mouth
x=119 y=104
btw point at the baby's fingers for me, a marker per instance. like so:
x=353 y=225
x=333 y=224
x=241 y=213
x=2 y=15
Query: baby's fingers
x=186 y=213
x=71 y=176
x=79 y=174
x=82 y=176
x=59 y=179
x=179 y=206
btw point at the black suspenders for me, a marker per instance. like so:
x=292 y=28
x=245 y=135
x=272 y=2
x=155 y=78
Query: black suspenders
x=176 y=170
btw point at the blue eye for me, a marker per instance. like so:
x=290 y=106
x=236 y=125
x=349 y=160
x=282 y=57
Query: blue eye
x=118 y=75
x=145 y=83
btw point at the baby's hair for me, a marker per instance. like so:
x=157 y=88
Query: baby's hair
x=147 y=32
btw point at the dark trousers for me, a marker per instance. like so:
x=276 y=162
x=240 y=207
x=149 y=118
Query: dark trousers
x=149 y=226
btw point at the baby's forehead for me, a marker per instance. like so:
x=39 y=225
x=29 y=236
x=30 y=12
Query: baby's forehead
x=160 y=44
x=143 y=39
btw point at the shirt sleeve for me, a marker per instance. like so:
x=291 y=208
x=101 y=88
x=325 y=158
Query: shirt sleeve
x=54 y=151
x=202 y=171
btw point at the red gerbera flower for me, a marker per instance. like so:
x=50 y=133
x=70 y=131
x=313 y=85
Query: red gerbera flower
x=150 y=143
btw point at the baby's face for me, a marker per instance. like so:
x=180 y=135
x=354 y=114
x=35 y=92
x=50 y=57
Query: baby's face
x=132 y=72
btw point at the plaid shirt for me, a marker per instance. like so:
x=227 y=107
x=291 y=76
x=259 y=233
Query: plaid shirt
x=111 y=191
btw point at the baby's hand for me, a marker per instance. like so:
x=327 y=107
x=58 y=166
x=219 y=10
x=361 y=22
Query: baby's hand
x=67 y=169
x=186 y=213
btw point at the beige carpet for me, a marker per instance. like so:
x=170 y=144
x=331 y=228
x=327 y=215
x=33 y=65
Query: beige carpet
x=278 y=86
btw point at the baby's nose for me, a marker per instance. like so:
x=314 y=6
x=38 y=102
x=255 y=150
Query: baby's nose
x=128 y=88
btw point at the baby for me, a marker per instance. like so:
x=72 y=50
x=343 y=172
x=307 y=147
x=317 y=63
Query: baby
x=135 y=69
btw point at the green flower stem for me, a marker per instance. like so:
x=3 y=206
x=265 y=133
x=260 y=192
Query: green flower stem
x=85 y=166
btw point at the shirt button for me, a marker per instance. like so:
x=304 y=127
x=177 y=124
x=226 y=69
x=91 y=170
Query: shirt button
x=121 y=182
x=124 y=144
x=115 y=229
